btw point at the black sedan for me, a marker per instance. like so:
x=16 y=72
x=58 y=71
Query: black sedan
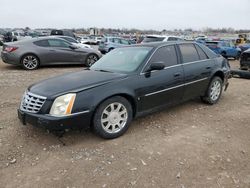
x=124 y=84
x=32 y=53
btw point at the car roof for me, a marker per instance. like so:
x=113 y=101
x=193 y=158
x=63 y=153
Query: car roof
x=162 y=36
x=159 y=44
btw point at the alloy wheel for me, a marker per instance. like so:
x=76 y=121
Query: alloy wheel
x=30 y=62
x=215 y=90
x=91 y=60
x=114 y=117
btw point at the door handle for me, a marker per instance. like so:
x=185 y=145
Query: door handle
x=52 y=50
x=177 y=74
x=208 y=68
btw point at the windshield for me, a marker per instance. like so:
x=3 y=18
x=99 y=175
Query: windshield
x=123 y=60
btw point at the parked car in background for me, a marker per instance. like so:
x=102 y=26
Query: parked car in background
x=95 y=40
x=126 y=83
x=85 y=40
x=245 y=60
x=32 y=53
x=74 y=41
x=1 y=40
x=225 y=48
x=63 y=33
x=12 y=36
x=110 y=43
x=245 y=46
x=160 y=38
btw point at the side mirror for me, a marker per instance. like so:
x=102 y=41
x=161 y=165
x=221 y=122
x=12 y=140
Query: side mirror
x=156 y=66
x=73 y=47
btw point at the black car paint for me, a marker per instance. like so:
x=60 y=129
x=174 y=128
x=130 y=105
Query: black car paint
x=245 y=60
x=146 y=93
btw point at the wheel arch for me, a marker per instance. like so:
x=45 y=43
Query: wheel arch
x=220 y=74
x=127 y=96
x=29 y=53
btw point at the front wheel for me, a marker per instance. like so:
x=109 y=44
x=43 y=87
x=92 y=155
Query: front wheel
x=112 y=117
x=214 y=91
x=30 y=62
x=91 y=59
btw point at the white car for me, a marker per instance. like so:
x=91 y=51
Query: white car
x=74 y=41
x=160 y=38
x=85 y=40
x=95 y=39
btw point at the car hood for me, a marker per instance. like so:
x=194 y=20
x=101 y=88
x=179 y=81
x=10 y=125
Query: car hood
x=73 y=82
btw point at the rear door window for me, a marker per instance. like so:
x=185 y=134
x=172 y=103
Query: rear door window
x=166 y=55
x=189 y=53
x=58 y=43
x=42 y=43
x=172 y=39
x=69 y=39
x=111 y=39
x=201 y=53
x=116 y=40
x=124 y=42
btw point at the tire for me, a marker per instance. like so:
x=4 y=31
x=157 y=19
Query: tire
x=224 y=54
x=214 y=91
x=91 y=59
x=30 y=62
x=108 y=123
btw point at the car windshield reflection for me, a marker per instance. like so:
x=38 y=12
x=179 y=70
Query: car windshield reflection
x=122 y=60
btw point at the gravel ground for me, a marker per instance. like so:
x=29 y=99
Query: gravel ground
x=190 y=145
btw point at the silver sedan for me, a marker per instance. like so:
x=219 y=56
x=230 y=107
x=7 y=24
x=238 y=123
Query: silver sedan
x=32 y=53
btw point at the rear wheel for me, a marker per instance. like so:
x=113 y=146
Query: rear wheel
x=112 y=118
x=30 y=62
x=214 y=91
x=91 y=59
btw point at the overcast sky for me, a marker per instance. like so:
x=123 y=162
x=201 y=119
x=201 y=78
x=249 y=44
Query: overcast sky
x=141 y=14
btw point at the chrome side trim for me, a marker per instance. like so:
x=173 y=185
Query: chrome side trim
x=195 y=62
x=196 y=81
x=181 y=85
x=156 y=92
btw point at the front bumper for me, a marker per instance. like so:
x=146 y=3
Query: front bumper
x=74 y=121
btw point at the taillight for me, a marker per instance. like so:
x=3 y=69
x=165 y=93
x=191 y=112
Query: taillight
x=10 y=48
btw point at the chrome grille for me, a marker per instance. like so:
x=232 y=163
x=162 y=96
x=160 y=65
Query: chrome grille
x=32 y=103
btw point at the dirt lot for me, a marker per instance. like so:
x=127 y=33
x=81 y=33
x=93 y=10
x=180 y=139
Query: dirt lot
x=191 y=145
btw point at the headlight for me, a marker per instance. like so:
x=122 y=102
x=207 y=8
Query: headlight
x=63 y=105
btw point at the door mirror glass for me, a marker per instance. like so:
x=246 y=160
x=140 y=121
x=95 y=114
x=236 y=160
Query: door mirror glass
x=156 y=66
